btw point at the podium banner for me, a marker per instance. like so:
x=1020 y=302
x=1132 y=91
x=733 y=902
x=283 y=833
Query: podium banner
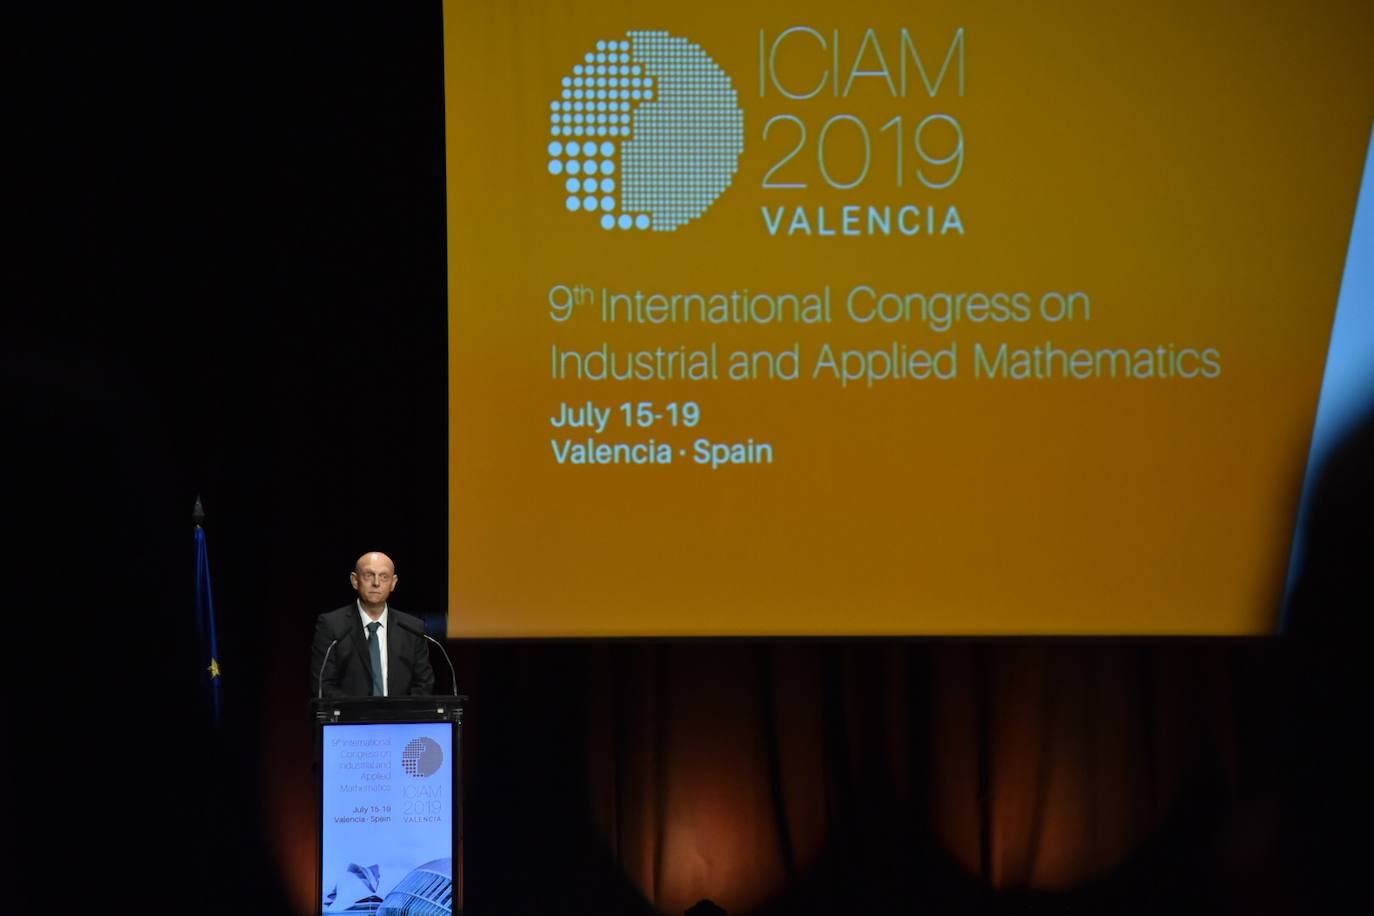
x=387 y=809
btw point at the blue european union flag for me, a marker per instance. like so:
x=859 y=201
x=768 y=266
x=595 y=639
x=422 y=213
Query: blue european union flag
x=205 y=613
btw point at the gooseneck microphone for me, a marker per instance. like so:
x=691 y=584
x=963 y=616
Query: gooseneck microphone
x=418 y=631
x=319 y=692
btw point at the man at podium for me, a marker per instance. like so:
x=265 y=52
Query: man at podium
x=368 y=648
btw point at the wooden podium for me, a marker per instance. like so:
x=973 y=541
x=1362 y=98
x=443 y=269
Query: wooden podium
x=388 y=793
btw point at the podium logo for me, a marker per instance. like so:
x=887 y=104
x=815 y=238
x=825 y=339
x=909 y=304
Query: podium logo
x=422 y=757
x=647 y=133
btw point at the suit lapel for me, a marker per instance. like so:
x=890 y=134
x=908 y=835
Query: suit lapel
x=391 y=635
x=360 y=642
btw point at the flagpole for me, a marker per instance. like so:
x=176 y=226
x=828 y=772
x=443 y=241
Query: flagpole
x=205 y=609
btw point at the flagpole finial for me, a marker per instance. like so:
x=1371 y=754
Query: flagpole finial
x=198 y=512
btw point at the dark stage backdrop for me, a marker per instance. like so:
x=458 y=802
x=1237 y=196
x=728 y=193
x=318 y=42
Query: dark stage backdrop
x=243 y=298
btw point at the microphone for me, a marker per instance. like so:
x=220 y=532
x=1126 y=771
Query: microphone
x=411 y=628
x=319 y=693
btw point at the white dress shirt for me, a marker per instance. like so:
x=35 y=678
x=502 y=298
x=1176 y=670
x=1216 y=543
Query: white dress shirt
x=381 y=638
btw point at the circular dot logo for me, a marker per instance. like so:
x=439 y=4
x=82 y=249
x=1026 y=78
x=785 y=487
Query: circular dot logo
x=422 y=757
x=647 y=133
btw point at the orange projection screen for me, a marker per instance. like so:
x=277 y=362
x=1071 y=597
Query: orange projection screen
x=890 y=318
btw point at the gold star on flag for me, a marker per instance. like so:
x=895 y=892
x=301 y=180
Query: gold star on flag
x=214 y=668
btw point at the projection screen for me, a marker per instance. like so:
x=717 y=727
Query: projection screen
x=884 y=318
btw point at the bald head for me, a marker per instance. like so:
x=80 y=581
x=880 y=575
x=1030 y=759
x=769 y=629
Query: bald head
x=374 y=557
x=374 y=579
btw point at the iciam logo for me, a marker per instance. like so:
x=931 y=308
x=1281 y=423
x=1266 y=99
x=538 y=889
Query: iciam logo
x=647 y=133
x=422 y=757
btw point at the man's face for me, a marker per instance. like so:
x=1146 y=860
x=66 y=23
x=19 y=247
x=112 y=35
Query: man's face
x=374 y=578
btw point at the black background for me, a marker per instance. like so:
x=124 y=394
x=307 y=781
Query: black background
x=234 y=287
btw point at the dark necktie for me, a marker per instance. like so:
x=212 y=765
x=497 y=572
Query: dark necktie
x=375 y=651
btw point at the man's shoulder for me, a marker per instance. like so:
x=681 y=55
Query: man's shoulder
x=341 y=611
x=338 y=618
x=408 y=619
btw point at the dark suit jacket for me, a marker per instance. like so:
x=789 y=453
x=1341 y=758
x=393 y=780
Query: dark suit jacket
x=348 y=673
